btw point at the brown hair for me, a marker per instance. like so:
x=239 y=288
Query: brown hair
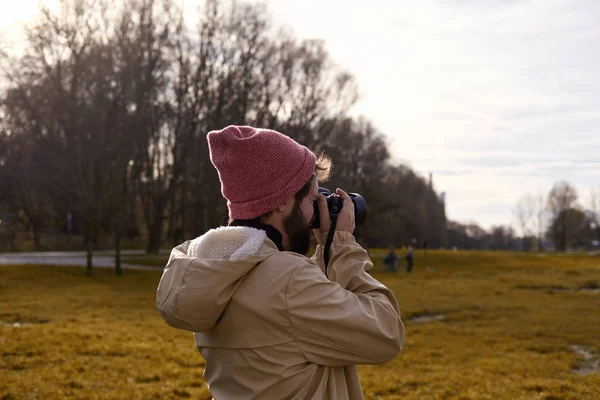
x=322 y=174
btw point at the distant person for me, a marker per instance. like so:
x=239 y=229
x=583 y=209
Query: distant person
x=409 y=259
x=425 y=243
x=389 y=262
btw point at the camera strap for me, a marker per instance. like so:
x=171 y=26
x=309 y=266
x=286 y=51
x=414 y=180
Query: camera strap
x=326 y=251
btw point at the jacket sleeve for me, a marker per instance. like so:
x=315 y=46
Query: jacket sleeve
x=171 y=281
x=350 y=318
x=184 y=295
x=317 y=258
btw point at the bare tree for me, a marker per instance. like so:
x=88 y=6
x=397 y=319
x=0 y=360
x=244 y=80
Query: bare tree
x=26 y=187
x=540 y=218
x=562 y=198
x=97 y=94
x=123 y=97
x=146 y=45
x=524 y=212
x=571 y=228
x=501 y=238
x=594 y=204
x=62 y=50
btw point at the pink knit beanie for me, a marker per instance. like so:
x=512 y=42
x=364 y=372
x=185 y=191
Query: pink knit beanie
x=259 y=169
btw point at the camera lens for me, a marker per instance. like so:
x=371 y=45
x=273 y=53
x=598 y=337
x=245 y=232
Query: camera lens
x=334 y=205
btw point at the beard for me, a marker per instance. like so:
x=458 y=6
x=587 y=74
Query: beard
x=298 y=232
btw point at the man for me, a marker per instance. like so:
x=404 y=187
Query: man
x=409 y=259
x=389 y=261
x=268 y=321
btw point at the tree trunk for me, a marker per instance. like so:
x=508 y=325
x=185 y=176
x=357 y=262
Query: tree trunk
x=172 y=228
x=118 y=270
x=12 y=241
x=88 y=270
x=563 y=233
x=155 y=232
x=179 y=234
x=37 y=235
x=90 y=243
x=69 y=229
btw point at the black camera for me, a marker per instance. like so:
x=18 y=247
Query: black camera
x=335 y=203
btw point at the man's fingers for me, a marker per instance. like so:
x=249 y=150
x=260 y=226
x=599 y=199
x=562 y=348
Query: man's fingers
x=343 y=194
x=325 y=219
x=346 y=217
x=322 y=204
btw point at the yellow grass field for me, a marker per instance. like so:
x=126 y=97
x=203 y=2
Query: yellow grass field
x=500 y=326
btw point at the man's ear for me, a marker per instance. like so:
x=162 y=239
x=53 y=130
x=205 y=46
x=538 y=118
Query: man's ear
x=287 y=207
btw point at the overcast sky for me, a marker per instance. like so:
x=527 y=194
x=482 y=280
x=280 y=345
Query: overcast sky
x=497 y=98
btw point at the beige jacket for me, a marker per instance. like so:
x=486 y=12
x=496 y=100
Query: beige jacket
x=270 y=324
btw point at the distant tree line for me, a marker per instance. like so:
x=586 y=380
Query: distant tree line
x=104 y=116
x=554 y=221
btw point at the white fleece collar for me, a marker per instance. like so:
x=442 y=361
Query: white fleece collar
x=228 y=243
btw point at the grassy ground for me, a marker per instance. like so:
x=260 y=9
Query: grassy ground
x=150 y=260
x=508 y=325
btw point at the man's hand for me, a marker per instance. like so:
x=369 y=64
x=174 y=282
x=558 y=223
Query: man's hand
x=345 y=219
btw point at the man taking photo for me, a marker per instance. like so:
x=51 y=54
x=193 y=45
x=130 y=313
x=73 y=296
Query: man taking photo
x=267 y=319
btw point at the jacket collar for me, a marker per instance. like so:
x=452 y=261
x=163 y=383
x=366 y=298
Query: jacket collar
x=272 y=232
